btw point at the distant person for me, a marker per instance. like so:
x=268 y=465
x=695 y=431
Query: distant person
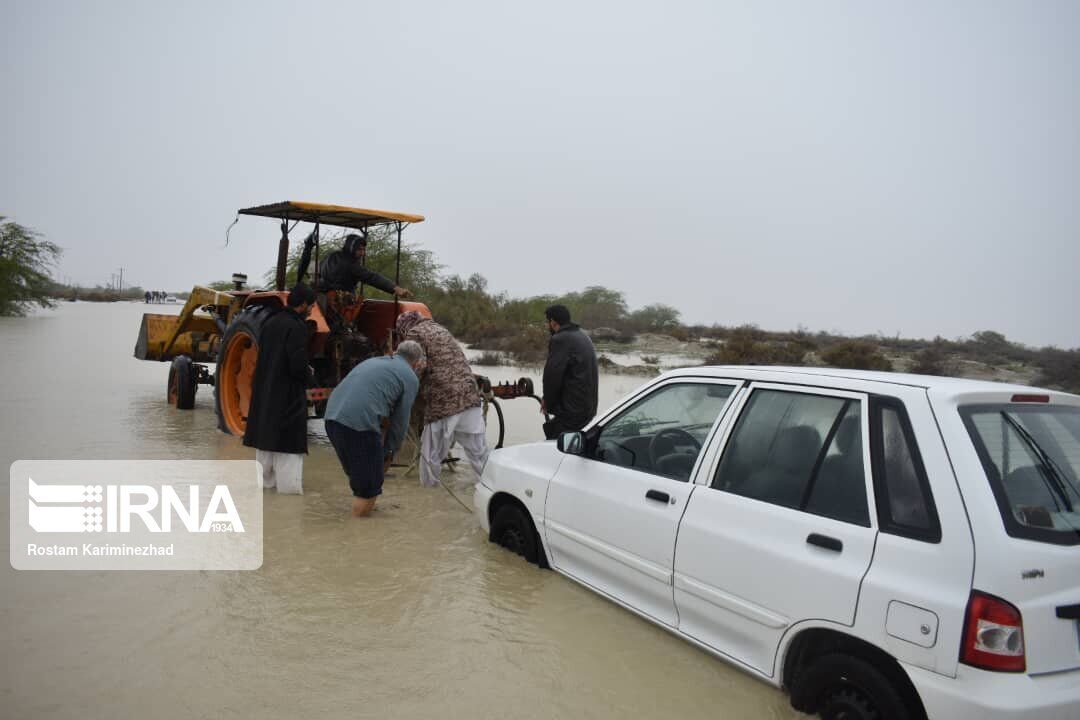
x=146 y=296
x=277 y=416
x=377 y=390
x=571 y=375
x=344 y=268
x=451 y=399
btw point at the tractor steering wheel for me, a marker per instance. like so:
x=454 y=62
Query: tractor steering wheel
x=674 y=434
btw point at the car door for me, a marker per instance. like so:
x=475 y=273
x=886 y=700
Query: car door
x=783 y=531
x=611 y=513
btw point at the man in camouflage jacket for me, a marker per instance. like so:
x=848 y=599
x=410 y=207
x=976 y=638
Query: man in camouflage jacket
x=451 y=399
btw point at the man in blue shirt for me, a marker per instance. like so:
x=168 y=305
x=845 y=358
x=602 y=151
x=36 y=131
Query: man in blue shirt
x=382 y=388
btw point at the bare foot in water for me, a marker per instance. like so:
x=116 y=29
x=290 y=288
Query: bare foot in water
x=362 y=507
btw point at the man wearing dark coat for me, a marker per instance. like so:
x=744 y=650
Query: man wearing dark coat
x=571 y=375
x=277 y=416
x=344 y=268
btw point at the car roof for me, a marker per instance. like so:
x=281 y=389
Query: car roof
x=940 y=386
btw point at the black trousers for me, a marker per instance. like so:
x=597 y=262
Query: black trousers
x=361 y=457
x=556 y=426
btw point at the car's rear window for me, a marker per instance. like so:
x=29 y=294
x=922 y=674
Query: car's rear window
x=1032 y=458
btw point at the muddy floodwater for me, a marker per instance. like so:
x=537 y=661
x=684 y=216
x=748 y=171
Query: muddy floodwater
x=409 y=614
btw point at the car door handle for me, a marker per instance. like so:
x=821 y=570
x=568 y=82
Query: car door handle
x=824 y=541
x=658 y=496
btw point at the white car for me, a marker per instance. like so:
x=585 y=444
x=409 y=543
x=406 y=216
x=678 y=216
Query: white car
x=881 y=545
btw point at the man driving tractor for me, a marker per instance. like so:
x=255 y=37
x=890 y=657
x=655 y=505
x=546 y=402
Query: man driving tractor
x=344 y=268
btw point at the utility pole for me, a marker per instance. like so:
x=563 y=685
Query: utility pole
x=121 y=281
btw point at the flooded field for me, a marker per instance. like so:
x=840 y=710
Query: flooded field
x=410 y=614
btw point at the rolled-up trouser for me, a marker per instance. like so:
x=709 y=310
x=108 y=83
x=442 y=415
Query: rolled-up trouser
x=467 y=429
x=361 y=456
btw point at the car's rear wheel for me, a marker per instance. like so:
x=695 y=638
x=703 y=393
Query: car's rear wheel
x=844 y=687
x=513 y=529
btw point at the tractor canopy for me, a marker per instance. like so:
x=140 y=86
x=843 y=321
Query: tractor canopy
x=335 y=215
x=319 y=214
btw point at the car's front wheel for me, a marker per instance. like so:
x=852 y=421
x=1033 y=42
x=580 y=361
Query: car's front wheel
x=844 y=687
x=513 y=529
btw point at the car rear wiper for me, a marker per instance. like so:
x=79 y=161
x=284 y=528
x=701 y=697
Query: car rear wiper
x=1047 y=462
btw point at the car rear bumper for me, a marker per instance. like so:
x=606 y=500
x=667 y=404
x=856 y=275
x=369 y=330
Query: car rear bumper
x=481 y=499
x=981 y=695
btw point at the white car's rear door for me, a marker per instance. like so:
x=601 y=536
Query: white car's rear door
x=783 y=532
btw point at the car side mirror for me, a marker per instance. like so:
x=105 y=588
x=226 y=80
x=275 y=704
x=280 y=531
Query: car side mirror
x=571 y=443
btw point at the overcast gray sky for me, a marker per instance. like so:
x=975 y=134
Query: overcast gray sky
x=907 y=167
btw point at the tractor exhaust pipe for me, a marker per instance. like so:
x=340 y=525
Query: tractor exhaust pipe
x=282 y=256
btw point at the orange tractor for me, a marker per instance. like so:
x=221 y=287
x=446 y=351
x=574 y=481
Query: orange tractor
x=223 y=327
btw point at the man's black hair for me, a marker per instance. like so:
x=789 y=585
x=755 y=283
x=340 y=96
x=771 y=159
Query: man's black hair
x=353 y=242
x=558 y=313
x=301 y=294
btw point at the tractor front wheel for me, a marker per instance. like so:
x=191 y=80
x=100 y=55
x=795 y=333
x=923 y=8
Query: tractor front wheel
x=182 y=383
x=236 y=368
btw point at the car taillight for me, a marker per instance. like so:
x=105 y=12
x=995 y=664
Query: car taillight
x=993 y=634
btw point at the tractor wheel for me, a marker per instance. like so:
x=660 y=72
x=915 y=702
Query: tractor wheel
x=182 y=383
x=236 y=368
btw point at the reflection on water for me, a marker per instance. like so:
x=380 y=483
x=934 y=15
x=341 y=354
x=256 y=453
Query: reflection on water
x=409 y=614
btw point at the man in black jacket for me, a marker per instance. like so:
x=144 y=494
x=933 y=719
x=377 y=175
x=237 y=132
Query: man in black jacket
x=571 y=375
x=344 y=268
x=277 y=416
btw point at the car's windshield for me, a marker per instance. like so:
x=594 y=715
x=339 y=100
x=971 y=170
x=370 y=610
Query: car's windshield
x=1031 y=455
x=663 y=433
x=689 y=407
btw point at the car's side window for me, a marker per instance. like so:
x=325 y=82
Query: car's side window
x=662 y=433
x=905 y=505
x=800 y=451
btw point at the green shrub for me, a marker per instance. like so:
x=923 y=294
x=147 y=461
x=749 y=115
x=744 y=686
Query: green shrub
x=856 y=355
x=747 y=345
x=993 y=349
x=527 y=346
x=680 y=333
x=934 y=360
x=1060 y=369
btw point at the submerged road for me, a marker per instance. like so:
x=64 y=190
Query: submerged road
x=410 y=614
